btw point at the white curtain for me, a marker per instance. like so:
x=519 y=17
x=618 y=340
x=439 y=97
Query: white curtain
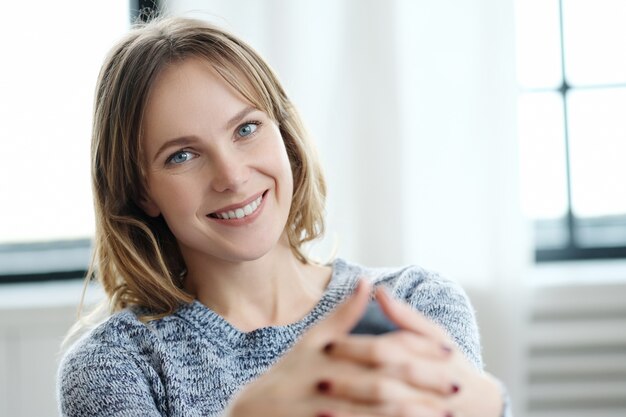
x=413 y=108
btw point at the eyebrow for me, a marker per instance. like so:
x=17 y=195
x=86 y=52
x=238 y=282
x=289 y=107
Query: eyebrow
x=240 y=115
x=182 y=141
x=185 y=140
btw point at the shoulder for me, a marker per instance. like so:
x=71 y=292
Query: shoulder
x=411 y=283
x=124 y=333
x=109 y=367
x=122 y=330
x=117 y=339
x=440 y=299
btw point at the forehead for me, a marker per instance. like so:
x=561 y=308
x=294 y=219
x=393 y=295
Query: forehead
x=187 y=97
x=190 y=82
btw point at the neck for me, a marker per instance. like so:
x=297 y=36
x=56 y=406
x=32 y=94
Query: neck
x=274 y=290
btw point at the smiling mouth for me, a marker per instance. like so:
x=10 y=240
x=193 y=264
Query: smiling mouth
x=240 y=212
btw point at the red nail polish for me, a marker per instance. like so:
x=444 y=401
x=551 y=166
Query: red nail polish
x=323 y=386
x=328 y=347
x=455 y=388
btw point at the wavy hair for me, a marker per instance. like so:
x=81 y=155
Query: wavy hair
x=136 y=257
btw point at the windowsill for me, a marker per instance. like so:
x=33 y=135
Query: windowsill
x=578 y=273
x=47 y=294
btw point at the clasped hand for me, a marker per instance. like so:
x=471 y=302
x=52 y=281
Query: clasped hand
x=415 y=371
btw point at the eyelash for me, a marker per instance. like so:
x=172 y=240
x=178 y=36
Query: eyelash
x=256 y=123
x=249 y=122
x=169 y=159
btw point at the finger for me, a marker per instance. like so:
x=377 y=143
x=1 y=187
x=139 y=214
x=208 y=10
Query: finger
x=341 y=408
x=337 y=407
x=372 y=388
x=375 y=388
x=412 y=409
x=395 y=348
x=345 y=316
x=394 y=360
x=407 y=318
x=425 y=375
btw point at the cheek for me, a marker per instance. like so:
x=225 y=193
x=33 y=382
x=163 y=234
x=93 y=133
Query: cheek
x=275 y=160
x=286 y=171
x=172 y=196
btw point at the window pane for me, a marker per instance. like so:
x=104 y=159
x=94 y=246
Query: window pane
x=595 y=41
x=542 y=153
x=55 y=51
x=551 y=234
x=538 y=43
x=601 y=231
x=597 y=131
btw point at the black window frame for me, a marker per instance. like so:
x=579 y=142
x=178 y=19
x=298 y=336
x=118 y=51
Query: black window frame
x=142 y=10
x=573 y=250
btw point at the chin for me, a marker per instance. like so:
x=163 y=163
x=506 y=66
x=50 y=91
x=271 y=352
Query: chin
x=252 y=253
x=237 y=258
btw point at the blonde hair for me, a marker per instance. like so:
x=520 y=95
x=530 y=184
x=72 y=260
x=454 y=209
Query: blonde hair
x=136 y=257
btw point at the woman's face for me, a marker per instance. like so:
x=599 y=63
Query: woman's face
x=217 y=168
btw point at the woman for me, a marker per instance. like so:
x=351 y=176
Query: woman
x=206 y=186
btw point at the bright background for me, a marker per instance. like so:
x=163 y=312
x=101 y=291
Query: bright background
x=414 y=106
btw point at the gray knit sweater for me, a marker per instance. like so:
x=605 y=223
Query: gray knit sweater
x=190 y=363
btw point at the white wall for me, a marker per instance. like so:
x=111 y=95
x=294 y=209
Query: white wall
x=461 y=166
x=33 y=321
x=413 y=107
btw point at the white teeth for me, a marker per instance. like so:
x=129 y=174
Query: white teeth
x=242 y=212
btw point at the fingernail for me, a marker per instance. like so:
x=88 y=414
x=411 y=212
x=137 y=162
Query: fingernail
x=455 y=388
x=449 y=414
x=323 y=386
x=328 y=347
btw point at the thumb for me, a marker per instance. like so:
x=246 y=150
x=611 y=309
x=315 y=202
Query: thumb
x=347 y=314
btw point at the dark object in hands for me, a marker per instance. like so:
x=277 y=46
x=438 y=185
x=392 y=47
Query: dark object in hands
x=373 y=321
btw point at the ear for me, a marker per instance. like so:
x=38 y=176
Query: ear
x=149 y=207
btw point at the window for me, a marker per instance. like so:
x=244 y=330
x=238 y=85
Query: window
x=52 y=54
x=572 y=102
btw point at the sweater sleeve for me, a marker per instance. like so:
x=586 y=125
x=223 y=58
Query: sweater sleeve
x=103 y=381
x=446 y=303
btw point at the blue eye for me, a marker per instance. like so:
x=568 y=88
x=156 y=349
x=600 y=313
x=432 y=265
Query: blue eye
x=247 y=129
x=179 y=157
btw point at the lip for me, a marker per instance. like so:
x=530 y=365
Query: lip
x=243 y=220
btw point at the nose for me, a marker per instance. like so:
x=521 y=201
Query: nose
x=229 y=171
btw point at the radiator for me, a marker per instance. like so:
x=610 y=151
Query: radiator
x=576 y=351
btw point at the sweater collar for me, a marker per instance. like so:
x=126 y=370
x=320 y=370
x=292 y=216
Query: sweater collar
x=342 y=283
